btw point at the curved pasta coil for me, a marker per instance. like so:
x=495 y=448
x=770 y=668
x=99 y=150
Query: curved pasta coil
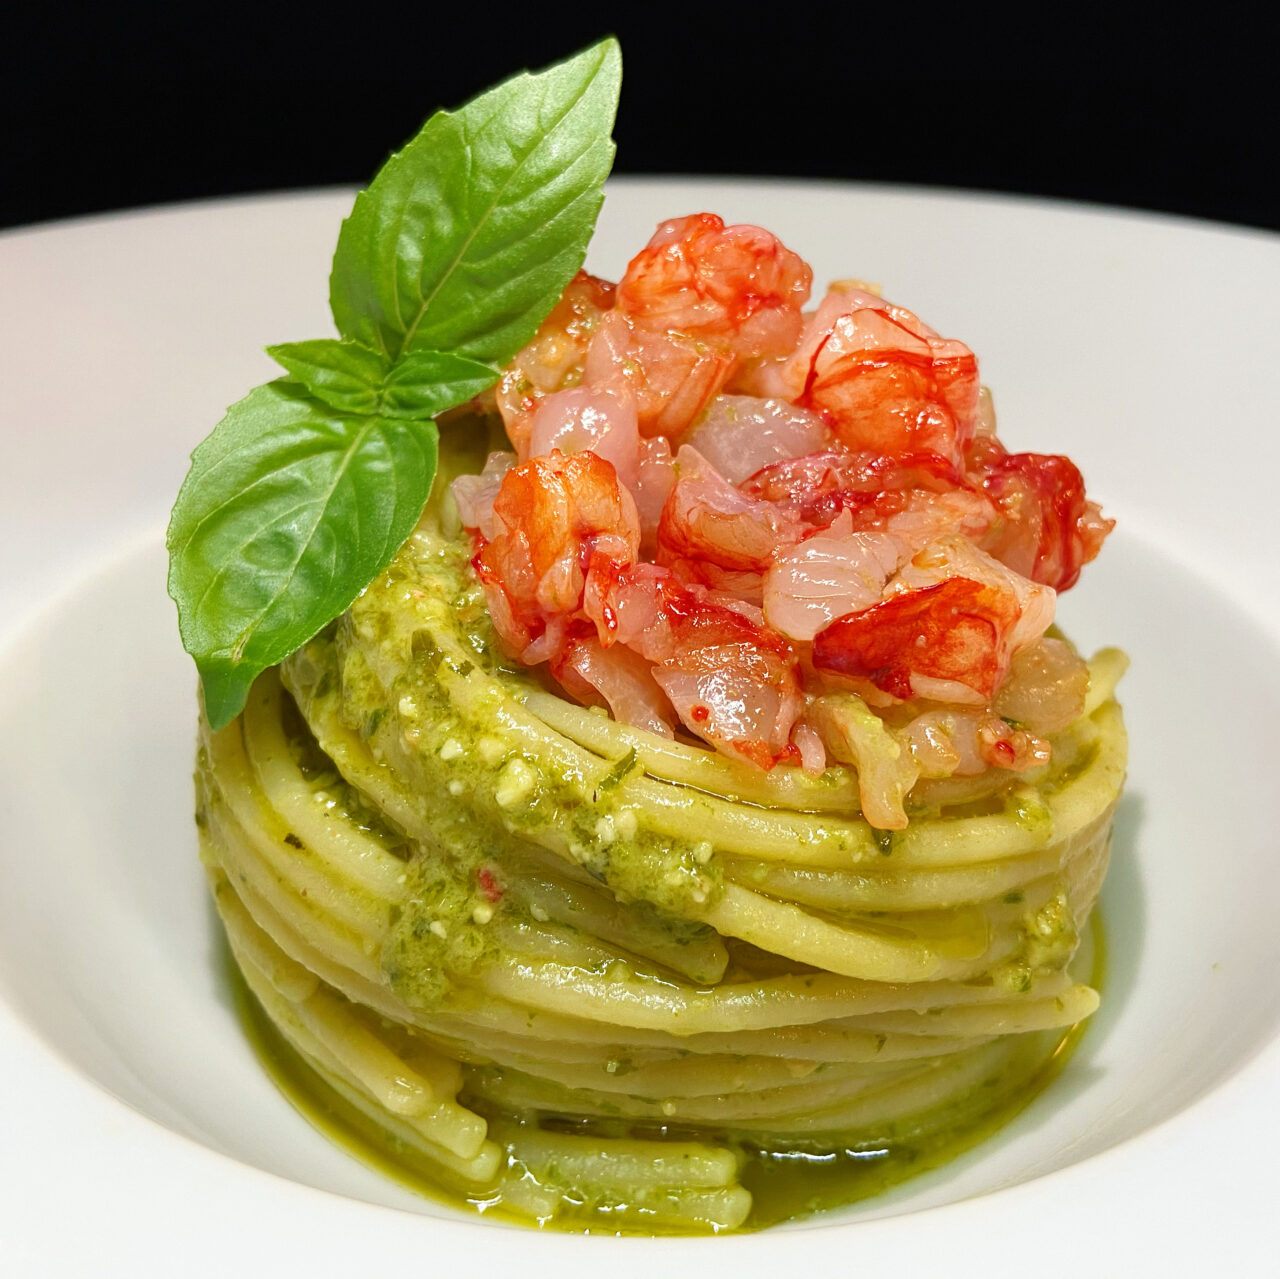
x=575 y=969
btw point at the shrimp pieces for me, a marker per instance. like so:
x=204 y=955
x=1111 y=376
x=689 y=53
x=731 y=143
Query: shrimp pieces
x=552 y=517
x=671 y=378
x=887 y=380
x=554 y=357
x=767 y=528
x=737 y=284
x=577 y=419
x=731 y=681
x=707 y=520
x=1049 y=531
x=740 y=434
x=945 y=630
x=942 y=641
x=617 y=676
x=821 y=485
x=476 y=494
x=829 y=575
x=696 y=302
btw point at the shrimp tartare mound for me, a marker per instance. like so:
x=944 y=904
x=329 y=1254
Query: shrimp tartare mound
x=792 y=535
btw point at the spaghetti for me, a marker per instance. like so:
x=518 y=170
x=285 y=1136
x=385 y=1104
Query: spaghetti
x=584 y=971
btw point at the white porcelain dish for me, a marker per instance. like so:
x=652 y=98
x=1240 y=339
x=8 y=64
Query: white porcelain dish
x=138 y=1134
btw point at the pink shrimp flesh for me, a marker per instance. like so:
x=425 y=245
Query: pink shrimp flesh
x=708 y=521
x=738 y=284
x=553 y=358
x=1048 y=530
x=552 y=516
x=888 y=381
x=732 y=681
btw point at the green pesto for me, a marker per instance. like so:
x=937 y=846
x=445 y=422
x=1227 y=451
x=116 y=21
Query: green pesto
x=415 y=671
x=785 y=1184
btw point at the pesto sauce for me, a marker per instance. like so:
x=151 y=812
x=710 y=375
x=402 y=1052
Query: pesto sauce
x=784 y=1185
x=443 y=722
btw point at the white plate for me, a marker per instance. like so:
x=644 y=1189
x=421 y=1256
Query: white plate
x=137 y=1134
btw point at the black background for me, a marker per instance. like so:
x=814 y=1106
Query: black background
x=120 y=105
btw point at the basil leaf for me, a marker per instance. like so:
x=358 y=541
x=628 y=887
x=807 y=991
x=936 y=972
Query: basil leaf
x=467 y=237
x=290 y=509
x=353 y=379
x=344 y=375
x=425 y=383
x=448 y=263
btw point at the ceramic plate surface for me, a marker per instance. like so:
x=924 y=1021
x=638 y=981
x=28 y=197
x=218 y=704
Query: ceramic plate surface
x=138 y=1134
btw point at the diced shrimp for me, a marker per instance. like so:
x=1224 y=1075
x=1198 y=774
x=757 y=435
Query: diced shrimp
x=740 y=434
x=816 y=533
x=1001 y=745
x=889 y=382
x=724 y=694
x=1046 y=687
x=821 y=485
x=828 y=575
x=738 y=285
x=708 y=521
x=924 y=516
x=616 y=677
x=844 y=568
x=581 y=418
x=887 y=770
x=948 y=743
x=954 y=556
x=930 y=739
x=732 y=682
x=946 y=630
x=554 y=358
x=672 y=378
x=552 y=516
x=475 y=494
x=808 y=743
x=942 y=642
x=1048 y=530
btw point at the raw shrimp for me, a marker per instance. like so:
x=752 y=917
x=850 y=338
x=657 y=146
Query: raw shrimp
x=1048 y=530
x=699 y=299
x=945 y=630
x=965 y=743
x=616 y=676
x=844 y=568
x=821 y=485
x=476 y=494
x=942 y=642
x=738 y=285
x=670 y=377
x=740 y=434
x=581 y=418
x=706 y=521
x=555 y=356
x=833 y=573
x=952 y=555
x=732 y=681
x=551 y=518
x=886 y=379
x=796 y=537
x=1046 y=686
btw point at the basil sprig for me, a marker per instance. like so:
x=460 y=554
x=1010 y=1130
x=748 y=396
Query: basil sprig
x=449 y=261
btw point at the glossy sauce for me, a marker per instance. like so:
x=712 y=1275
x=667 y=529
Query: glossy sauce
x=784 y=1185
